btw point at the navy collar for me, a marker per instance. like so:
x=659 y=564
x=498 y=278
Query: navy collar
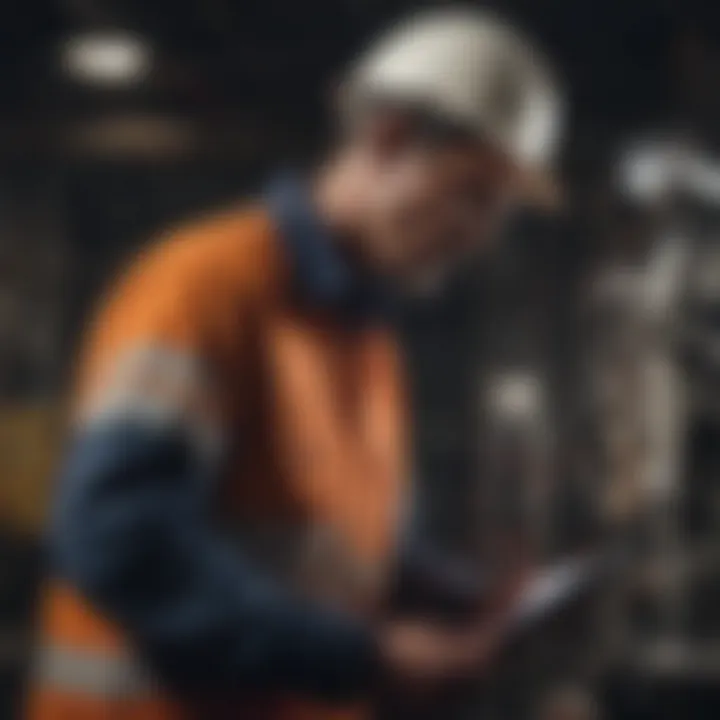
x=321 y=273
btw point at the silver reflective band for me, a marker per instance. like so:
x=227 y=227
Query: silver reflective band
x=93 y=673
x=161 y=388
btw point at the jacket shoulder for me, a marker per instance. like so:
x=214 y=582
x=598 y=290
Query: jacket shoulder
x=236 y=249
x=190 y=291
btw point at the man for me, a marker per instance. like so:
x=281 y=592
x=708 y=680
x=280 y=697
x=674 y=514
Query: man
x=226 y=521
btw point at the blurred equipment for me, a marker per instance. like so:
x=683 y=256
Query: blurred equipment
x=656 y=373
x=517 y=488
x=30 y=436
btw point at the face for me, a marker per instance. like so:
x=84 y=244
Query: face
x=432 y=205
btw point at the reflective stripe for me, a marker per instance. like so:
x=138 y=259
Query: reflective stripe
x=94 y=673
x=162 y=388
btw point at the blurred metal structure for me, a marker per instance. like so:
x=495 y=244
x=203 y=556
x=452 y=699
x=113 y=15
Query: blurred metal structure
x=655 y=379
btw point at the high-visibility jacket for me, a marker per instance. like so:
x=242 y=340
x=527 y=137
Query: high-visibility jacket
x=253 y=335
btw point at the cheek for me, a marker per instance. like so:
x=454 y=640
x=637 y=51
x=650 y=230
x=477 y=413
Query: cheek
x=408 y=190
x=410 y=209
x=422 y=218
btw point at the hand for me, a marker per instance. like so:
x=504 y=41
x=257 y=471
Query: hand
x=419 y=653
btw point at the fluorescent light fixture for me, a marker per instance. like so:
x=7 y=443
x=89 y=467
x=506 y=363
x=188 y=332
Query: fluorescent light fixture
x=107 y=58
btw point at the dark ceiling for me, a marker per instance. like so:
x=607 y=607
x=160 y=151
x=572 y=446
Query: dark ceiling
x=620 y=57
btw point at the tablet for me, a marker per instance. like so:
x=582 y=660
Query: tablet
x=552 y=589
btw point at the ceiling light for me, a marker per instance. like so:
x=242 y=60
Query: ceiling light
x=107 y=58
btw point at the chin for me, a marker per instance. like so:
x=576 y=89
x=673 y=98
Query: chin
x=425 y=283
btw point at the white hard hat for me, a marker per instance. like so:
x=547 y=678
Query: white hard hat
x=473 y=69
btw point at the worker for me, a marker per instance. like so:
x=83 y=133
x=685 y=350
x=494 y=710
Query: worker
x=228 y=516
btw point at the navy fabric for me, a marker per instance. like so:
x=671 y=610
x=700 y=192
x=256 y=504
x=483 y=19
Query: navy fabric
x=130 y=530
x=323 y=274
x=428 y=582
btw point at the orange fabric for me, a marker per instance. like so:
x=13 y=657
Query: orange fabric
x=56 y=704
x=193 y=292
x=315 y=406
x=70 y=621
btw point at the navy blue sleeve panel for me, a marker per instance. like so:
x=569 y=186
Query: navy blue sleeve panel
x=130 y=531
x=427 y=581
